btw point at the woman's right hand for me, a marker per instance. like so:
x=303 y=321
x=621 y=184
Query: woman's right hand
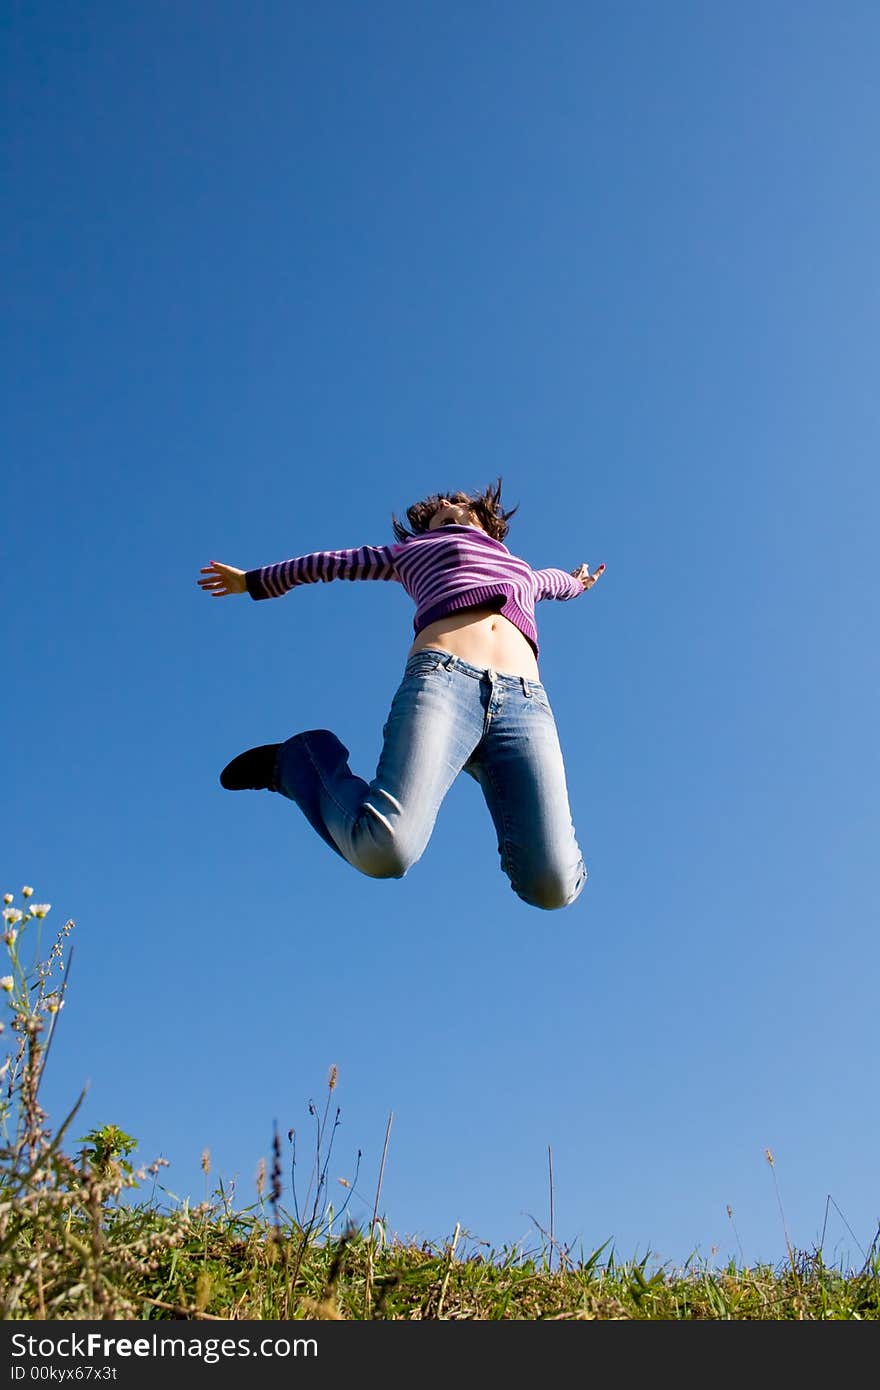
x=221 y=580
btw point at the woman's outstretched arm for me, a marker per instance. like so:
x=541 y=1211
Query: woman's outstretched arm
x=562 y=584
x=367 y=562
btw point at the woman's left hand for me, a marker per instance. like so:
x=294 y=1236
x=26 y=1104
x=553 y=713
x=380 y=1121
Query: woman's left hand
x=587 y=579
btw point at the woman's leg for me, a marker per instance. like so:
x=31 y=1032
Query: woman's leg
x=382 y=827
x=519 y=766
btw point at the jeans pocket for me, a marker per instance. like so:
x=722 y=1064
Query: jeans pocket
x=422 y=664
x=540 y=697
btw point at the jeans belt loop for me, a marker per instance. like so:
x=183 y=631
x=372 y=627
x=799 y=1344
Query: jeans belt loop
x=449 y=663
x=525 y=688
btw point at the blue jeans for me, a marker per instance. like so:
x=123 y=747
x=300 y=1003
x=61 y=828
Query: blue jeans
x=447 y=716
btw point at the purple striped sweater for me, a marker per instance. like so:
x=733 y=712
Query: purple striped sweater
x=443 y=571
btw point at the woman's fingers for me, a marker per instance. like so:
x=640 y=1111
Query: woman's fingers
x=586 y=578
x=222 y=579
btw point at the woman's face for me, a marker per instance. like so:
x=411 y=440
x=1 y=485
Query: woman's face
x=451 y=513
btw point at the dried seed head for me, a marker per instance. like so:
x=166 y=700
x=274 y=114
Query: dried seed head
x=206 y=1160
x=276 y=1168
x=331 y=1080
x=261 y=1177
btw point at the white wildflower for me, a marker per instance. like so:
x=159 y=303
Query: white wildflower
x=12 y=914
x=7 y=897
x=7 y=983
x=40 y=910
x=27 y=892
x=10 y=936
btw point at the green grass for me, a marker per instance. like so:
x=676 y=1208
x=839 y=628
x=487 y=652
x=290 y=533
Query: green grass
x=82 y=1258
x=84 y=1236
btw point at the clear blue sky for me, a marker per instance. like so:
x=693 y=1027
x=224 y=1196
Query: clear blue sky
x=275 y=270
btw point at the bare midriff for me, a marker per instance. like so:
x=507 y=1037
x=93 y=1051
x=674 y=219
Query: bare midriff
x=482 y=637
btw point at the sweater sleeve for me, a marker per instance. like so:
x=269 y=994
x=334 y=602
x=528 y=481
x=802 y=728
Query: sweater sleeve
x=556 y=584
x=368 y=562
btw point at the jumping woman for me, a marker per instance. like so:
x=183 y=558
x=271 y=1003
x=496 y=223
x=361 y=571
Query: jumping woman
x=470 y=699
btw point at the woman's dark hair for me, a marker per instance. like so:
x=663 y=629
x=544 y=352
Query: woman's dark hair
x=485 y=505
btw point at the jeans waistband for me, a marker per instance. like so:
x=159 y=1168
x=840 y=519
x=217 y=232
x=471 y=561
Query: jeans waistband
x=433 y=657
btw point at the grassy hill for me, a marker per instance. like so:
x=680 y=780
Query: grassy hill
x=79 y=1240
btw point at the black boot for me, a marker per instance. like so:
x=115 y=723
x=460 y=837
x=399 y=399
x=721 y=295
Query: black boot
x=253 y=770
